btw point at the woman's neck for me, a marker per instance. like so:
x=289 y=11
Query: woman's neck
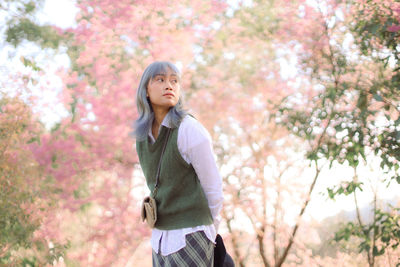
x=159 y=116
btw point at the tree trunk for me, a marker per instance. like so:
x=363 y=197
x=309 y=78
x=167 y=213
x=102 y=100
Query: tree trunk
x=261 y=249
x=235 y=244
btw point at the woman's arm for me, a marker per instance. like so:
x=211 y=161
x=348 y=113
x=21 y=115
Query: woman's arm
x=195 y=145
x=203 y=162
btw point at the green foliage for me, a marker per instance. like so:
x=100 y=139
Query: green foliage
x=340 y=122
x=259 y=21
x=349 y=148
x=16 y=222
x=378 y=236
x=36 y=253
x=375 y=29
x=29 y=63
x=24 y=29
x=20 y=24
x=22 y=202
x=326 y=230
x=344 y=189
x=375 y=36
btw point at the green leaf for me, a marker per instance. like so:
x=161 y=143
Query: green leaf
x=55 y=127
x=377 y=252
x=397 y=122
x=385 y=238
x=53 y=161
x=29 y=7
x=71 y=85
x=85 y=206
x=378 y=97
x=76 y=194
x=34 y=139
x=331 y=194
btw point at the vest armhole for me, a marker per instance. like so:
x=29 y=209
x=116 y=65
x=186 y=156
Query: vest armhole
x=177 y=153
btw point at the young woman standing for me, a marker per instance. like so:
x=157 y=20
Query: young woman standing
x=189 y=195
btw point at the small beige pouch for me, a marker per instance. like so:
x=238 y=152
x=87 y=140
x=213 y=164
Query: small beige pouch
x=149 y=211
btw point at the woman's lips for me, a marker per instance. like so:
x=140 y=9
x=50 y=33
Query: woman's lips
x=168 y=94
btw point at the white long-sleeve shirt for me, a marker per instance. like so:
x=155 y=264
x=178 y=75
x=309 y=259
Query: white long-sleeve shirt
x=195 y=145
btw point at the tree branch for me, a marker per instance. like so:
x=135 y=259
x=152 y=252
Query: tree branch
x=291 y=239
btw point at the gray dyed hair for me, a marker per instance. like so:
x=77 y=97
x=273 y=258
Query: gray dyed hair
x=146 y=115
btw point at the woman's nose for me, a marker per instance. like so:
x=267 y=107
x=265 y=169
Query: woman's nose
x=168 y=86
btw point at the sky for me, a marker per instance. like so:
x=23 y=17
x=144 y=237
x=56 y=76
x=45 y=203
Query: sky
x=62 y=13
x=59 y=12
x=55 y=12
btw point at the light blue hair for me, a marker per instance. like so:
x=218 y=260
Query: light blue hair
x=143 y=123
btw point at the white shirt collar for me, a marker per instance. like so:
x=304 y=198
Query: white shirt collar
x=166 y=122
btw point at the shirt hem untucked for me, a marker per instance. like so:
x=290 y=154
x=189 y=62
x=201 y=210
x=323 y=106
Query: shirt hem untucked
x=178 y=243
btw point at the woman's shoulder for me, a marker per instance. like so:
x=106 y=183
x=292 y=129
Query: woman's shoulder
x=192 y=130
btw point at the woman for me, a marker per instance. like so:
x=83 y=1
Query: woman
x=189 y=196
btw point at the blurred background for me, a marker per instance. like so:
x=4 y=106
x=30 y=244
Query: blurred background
x=301 y=98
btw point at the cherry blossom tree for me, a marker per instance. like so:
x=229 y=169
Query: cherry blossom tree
x=27 y=196
x=355 y=104
x=90 y=153
x=274 y=129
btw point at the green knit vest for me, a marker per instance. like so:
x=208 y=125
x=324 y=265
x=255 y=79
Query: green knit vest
x=180 y=199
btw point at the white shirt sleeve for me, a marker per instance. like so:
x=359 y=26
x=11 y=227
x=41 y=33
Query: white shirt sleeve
x=195 y=145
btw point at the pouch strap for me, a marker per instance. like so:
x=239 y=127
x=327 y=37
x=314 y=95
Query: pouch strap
x=159 y=163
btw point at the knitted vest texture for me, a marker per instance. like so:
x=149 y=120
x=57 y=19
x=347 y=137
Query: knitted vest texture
x=181 y=201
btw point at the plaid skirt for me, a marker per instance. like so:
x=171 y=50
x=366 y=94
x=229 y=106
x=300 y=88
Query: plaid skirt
x=199 y=251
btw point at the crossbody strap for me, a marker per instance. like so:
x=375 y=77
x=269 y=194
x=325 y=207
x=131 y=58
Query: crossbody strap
x=159 y=163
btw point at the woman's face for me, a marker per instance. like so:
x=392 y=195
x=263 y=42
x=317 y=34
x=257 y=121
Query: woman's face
x=164 y=90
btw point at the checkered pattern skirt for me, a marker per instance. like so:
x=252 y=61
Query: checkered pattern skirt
x=199 y=252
